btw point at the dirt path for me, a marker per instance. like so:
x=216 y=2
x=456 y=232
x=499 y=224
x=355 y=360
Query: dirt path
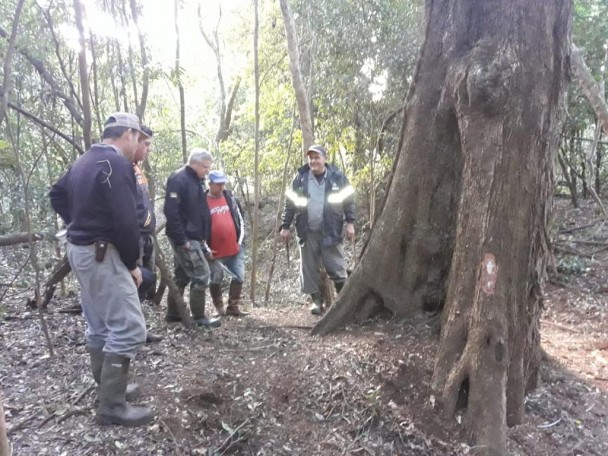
x=262 y=385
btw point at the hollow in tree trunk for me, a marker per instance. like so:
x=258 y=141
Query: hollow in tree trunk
x=466 y=213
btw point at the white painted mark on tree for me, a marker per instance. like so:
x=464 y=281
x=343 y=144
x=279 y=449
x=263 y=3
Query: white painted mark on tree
x=489 y=274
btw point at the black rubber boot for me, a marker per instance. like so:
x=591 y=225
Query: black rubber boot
x=113 y=407
x=173 y=315
x=197 y=307
x=97 y=357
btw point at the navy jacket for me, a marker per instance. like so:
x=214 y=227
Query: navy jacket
x=339 y=204
x=96 y=198
x=186 y=208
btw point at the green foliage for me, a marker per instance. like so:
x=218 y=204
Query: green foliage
x=7 y=160
x=590 y=33
x=571 y=265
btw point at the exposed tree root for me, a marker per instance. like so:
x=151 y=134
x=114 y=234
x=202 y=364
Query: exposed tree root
x=357 y=302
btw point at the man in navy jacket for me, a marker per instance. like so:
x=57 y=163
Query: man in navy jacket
x=97 y=198
x=188 y=228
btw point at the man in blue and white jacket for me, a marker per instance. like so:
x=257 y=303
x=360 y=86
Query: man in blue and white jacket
x=321 y=200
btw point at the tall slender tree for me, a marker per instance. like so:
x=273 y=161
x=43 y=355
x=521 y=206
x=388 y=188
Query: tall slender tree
x=178 y=81
x=302 y=97
x=83 y=71
x=8 y=57
x=256 y=160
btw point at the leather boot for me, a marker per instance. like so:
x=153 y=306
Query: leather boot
x=234 y=297
x=97 y=356
x=113 y=407
x=197 y=307
x=173 y=314
x=215 y=289
x=317 y=303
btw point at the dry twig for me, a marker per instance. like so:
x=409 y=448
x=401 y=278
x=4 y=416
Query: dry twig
x=560 y=326
x=177 y=452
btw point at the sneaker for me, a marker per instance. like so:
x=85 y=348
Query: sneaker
x=208 y=322
x=172 y=319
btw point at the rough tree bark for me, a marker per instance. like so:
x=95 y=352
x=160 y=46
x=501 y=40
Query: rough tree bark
x=467 y=208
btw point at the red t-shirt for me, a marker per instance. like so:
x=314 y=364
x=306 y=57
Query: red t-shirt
x=223 y=231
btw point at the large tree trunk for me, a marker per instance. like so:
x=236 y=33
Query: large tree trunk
x=467 y=209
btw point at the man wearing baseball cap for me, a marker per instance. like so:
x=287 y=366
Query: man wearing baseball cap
x=96 y=198
x=321 y=200
x=226 y=243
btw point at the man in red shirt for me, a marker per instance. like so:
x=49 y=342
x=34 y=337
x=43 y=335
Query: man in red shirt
x=226 y=243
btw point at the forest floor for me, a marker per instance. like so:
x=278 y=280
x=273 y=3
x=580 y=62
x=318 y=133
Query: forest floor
x=261 y=385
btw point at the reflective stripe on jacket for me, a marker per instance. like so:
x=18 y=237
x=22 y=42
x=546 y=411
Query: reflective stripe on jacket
x=339 y=204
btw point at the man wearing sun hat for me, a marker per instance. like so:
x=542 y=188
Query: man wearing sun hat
x=321 y=200
x=226 y=244
x=96 y=198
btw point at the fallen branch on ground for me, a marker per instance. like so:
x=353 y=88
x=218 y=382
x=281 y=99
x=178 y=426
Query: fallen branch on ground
x=560 y=326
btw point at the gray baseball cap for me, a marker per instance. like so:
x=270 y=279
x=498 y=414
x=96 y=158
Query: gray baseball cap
x=123 y=119
x=318 y=149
